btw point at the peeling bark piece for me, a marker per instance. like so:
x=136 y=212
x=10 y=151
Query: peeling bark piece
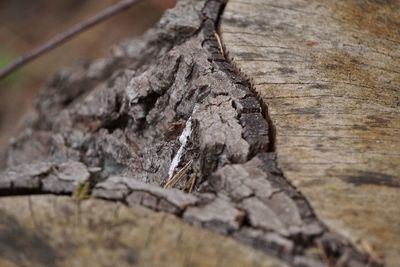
x=33 y=169
x=255 y=131
x=10 y=180
x=28 y=147
x=286 y=209
x=239 y=181
x=271 y=242
x=111 y=190
x=143 y=198
x=229 y=180
x=74 y=172
x=128 y=237
x=329 y=73
x=314 y=228
x=219 y=215
x=262 y=216
x=248 y=105
x=56 y=186
x=220 y=135
x=44 y=176
x=144 y=192
x=167 y=206
x=24 y=176
x=65 y=177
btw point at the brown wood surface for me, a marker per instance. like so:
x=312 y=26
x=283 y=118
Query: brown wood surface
x=329 y=72
x=58 y=231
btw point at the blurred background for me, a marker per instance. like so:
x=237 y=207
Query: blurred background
x=25 y=24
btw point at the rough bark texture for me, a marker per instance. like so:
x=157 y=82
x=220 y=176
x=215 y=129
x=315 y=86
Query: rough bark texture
x=329 y=73
x=170 y=111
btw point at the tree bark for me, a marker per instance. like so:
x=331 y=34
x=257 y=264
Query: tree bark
x=170 y=110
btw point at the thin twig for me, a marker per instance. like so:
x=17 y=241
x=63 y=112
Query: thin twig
x=221 y=47
x=194 y=178
x=64 y=36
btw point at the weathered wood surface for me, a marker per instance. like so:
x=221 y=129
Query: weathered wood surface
x=58 y=231
x=171 y=107
x=329 y=72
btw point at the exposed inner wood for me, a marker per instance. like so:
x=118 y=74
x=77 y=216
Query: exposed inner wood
x=170 y=111
x=329 y=74
x=57 y=231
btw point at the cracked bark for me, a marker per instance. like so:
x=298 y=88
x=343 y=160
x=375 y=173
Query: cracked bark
x=172 y=99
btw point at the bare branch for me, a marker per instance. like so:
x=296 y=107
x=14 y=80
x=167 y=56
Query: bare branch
x=65 y=36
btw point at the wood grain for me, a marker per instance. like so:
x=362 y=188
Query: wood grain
x=329 y=74
x=57 y=231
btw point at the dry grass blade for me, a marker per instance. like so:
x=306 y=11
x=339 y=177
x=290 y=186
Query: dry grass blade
x=193 y=182
x=190 y=183
x=221 y=48
x=179 y=175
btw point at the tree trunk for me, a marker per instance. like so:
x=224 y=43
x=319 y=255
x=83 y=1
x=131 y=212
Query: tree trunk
x=274 y=146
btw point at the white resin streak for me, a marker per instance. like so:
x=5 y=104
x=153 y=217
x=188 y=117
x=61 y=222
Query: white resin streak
x=183 y=139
